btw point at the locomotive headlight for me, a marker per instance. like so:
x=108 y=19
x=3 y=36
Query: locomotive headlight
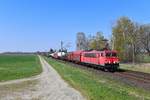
x=109 y=62
x=114 y=62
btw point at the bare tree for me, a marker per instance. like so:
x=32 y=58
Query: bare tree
x=81 y=43
x=145 y=37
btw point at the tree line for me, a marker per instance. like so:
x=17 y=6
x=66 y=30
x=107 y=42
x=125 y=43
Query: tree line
x=129 y=38
x=95 y=42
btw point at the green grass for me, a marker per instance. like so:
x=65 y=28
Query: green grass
x=136 y=67
x=18 y=66
x=97 y=87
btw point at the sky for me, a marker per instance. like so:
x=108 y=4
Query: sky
x=37 y=25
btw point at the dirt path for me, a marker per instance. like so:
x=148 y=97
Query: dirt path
x=46 y=86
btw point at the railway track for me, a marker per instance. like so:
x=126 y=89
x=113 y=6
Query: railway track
x=140 y=77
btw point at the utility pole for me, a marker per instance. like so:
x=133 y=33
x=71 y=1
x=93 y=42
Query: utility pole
x=61 y=47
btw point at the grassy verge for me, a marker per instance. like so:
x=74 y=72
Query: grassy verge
x=18 y=66
x=97 y=87
x=137 y=67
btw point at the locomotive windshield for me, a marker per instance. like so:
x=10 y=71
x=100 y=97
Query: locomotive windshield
x=111 y=54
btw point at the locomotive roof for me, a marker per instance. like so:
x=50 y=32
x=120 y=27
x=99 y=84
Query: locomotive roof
x=95 y=51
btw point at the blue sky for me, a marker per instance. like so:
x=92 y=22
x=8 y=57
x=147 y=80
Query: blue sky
x=32 y=25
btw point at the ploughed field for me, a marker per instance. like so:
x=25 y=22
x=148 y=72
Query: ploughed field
x=17 y=66
x=96 y=84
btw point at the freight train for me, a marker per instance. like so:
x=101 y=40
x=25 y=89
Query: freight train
x=105 y=60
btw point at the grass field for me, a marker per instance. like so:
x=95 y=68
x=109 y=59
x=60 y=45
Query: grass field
x=137 y=67
x=18 y=66
x=97 y=87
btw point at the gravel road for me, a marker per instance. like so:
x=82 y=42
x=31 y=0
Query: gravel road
x=46 y=86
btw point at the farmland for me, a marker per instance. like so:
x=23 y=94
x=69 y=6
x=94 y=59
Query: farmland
x=18 y=66
x=97 y=86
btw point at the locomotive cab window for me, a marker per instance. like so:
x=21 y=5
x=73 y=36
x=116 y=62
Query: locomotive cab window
x=111 y=54
x=102 y=55
x=114 y=54
x=108 y=54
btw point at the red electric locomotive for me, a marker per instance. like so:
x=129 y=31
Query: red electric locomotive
x=106 y=59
